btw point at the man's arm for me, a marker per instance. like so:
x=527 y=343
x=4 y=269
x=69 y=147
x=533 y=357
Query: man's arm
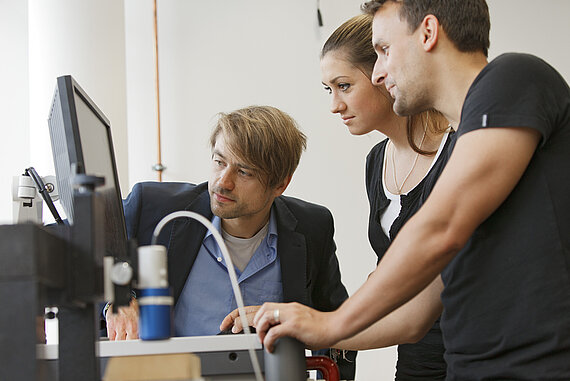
x=482 y=171
x=407 y=324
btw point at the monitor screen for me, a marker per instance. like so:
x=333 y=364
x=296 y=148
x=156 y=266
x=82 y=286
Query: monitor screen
x=81 y=137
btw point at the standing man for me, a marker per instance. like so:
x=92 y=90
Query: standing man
x=282 y=247
x=497 y=224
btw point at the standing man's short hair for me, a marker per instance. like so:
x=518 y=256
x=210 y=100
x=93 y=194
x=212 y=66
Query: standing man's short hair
x=265 y=138
x=465 y=22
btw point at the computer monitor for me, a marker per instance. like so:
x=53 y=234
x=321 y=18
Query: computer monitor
x=81 y=137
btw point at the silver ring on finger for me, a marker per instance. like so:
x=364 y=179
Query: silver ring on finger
x=276 y=316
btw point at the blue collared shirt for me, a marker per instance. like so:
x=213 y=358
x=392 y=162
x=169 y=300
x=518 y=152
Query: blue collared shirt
x=208 y=296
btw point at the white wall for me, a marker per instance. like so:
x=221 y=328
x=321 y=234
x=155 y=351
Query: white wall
x=86 y=40
x=44 y=40
x=14 y=124
x=219 y=56
x=216 y=57
x=541 y=28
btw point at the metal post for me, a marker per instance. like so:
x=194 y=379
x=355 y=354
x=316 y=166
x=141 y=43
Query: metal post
x=287 y=362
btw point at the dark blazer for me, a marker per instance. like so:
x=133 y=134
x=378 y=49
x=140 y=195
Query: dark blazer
x=309 y=266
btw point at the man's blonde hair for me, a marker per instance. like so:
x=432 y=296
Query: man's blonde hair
x=265 y=138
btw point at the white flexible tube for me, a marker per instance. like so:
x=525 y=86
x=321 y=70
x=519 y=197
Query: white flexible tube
x=231 y=272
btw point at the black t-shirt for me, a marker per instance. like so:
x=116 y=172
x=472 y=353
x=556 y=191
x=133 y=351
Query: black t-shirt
x=422 y=360
x=507 y=292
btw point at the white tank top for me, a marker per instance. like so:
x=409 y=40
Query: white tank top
x=395 y=206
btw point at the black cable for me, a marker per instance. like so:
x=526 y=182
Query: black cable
x=319 y=17
x=44 y=193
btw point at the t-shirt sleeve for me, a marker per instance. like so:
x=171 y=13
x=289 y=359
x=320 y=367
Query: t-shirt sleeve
x=515 y=90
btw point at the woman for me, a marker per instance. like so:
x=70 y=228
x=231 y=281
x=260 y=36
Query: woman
x=395 y=167
x=395 y=172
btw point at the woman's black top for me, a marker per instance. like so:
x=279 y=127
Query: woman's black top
x=422 y=360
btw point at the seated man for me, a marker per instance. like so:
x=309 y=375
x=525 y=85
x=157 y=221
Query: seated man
x=282 y=248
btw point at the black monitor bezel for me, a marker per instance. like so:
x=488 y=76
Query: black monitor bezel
x=65 y=92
